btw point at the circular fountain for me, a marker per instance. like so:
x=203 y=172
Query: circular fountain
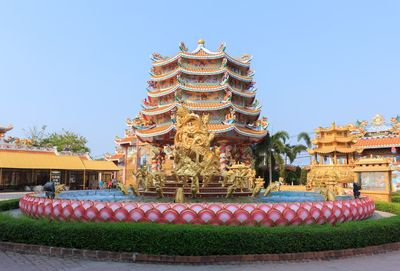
x=199 y=193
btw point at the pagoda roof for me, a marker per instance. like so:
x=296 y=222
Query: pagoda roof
x=175 y=72
x=126 y=140
x=201 y=88
x=331 y=149
x=201 y=107
x=378 y=142
x=333 y=128
x=115 y=157
x=215 y=128
x=325 y=140
x=202 y=53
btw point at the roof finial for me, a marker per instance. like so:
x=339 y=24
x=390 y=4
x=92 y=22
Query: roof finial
x=201 y=42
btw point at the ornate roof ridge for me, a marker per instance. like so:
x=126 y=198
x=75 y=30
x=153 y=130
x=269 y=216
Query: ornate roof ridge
x=159 y=60
x=202 y=106
x=223 y=128
x=178 y=70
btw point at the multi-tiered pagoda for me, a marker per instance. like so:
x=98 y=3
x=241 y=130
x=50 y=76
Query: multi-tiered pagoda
x=204 y=82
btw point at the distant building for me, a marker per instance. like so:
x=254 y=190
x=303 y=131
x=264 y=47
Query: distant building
x=22 y=165
x=342 y=146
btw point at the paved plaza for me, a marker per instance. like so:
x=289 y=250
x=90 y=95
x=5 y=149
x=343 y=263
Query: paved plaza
x=11 y=195
x=11 y=261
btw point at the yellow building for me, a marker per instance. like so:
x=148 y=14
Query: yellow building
x=22 y=165
x=334 y=156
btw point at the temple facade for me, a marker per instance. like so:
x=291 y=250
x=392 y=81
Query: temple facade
x=207 y=83
x=342 y=147
x=23 y=166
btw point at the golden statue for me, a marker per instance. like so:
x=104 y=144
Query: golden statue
x=193 y=154
x=238 y=176
x=59 y=188
x=273 y=187
x=122 y=188
x=258 y=185
x=159 y=181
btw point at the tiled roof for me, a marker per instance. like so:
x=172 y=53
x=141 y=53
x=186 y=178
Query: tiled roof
x=217 y=128
x=126 y=140
x=158 y=130
x=378 y=142
x=115 y=157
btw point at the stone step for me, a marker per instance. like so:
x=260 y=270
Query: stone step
x=198 y=195
x=222 y=190
x=176 y=184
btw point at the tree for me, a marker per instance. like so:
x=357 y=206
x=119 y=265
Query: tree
x=66 y=141
x=306 y=138
x=36 y=135
x=268 y=153
x=291 y=152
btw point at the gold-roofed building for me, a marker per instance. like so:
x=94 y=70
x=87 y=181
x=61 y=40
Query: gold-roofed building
x=334 y=155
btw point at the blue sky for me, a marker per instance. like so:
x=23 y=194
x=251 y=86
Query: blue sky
x=83 y=65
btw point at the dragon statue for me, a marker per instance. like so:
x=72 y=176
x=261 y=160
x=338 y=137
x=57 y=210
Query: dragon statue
x=396 y=123
x=183 y=47
x=273 y=187
x=157 y=57
x=222 y=47
x=193 y=154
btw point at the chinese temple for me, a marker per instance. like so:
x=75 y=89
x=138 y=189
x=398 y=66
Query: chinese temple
x=338 y=150
x=379 y=137
x=211 y=84
x=334 y=156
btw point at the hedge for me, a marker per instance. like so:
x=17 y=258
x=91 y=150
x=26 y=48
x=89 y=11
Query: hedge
x=10 y=204
x=199 y=239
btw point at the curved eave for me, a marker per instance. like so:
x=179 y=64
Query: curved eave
x=193 y=88
x=157 y=131
x=206 y=89
x=166 y=61
x=215 y=128
x=202 y=72
x=165 y=76
x=246 y=79
x=250 y=133
x=333 y=140
x=237 y=62
x=241 y=93
x=159 y=110
x=251 y=112
x=327 y=150
x=126 y=140
x=163 y=92
x=199 y=72
x=202 y=107
x=115 y=157
x=206 y=107
x=207 y=55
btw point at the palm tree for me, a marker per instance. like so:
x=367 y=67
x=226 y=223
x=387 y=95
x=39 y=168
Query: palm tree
x=290 y=153
x=307 y=140
x=271 y=150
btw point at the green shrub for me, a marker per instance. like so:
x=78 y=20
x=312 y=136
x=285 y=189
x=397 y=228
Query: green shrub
x=393 y=207
x=396 y=198
x=199 y=239
x=10 y=204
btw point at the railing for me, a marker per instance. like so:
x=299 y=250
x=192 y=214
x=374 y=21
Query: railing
x=8 y=146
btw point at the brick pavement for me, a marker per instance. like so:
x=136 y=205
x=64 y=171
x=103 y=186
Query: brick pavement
x=11 y=261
